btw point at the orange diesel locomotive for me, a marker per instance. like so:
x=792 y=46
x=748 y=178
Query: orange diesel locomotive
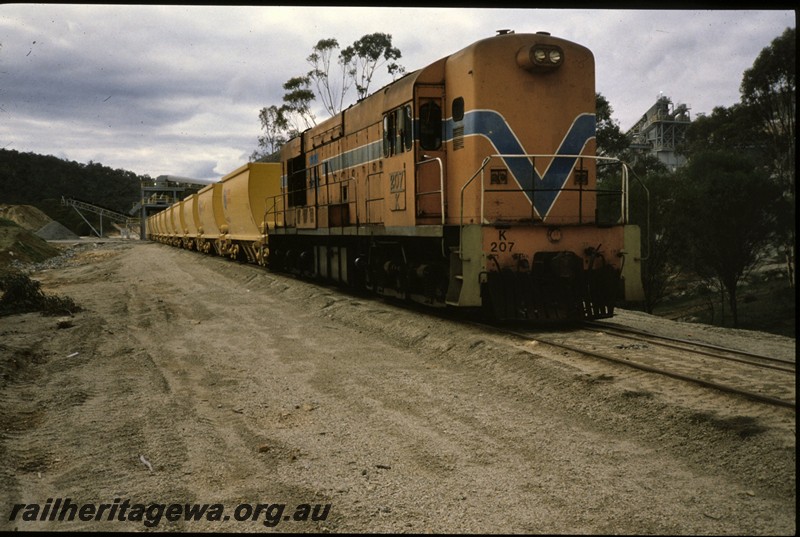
x=470 y=183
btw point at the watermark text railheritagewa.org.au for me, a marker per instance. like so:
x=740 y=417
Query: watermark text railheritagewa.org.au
x=151 y=514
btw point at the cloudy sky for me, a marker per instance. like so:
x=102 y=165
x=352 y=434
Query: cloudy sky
x=177 y=89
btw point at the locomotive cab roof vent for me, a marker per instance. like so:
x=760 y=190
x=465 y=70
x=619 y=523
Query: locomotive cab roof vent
x=505 y=31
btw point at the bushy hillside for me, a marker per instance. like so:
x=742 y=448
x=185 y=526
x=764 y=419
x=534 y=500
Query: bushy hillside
x=41 y=181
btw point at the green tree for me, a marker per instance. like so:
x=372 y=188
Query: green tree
x=650 y=213
x=330 y=92
x=297 y=105
x=653 y=215
x=722 y=218
x=611 y=141
x=357 y=63
x=770 y=88
x=274 y=126
x=366 y=55
x=733 y=129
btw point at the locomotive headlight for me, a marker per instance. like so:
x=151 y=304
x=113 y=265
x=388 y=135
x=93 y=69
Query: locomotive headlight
x=540 y=57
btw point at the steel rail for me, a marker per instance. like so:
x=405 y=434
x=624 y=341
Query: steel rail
x=623 y=331
x=687 y=378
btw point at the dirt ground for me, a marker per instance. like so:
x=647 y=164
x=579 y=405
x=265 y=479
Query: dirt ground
x=189 y=379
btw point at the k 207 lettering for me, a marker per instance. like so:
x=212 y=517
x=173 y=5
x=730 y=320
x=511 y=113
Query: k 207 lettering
x=501 y=244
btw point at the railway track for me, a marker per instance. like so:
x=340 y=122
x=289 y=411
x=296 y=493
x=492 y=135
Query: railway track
x=697 y=347
x=757 y=377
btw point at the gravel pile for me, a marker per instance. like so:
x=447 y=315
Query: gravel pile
x=59 y=261
x=33 y=219
x=54 y=230
x=26 y=216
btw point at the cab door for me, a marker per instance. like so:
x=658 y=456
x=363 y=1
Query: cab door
x=430 y=154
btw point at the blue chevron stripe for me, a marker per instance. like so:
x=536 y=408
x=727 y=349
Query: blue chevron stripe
x=494 y=127
x=541 y=190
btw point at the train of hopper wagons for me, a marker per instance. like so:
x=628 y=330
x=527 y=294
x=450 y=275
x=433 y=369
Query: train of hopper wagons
x=471 y=183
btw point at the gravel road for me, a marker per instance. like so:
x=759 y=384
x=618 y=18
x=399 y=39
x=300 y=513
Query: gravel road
x=190 y=379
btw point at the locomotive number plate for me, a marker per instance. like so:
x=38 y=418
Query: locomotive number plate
x=502 y=244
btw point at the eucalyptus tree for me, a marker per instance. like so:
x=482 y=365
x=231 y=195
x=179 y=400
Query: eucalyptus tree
x=769 y=87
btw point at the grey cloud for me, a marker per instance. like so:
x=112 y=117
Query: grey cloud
x=177 y=89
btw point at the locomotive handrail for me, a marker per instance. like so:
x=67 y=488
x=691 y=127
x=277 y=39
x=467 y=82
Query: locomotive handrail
x=441 y=183
x=280 y=209
x=624 y=190
x=461 y=208
x=267 y=211
x=275 y=210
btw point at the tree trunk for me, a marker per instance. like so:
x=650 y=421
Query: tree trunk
x=732 y=302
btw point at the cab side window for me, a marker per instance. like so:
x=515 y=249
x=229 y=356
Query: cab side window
x=398 y=131
x=389 y=130
x=430 y=126
x=458 y=109
x=408 y=128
